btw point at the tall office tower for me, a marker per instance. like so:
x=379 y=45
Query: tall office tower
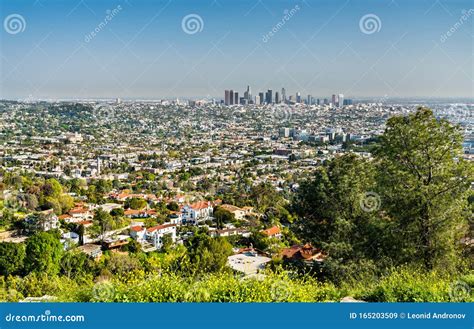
x=249 y=93
x=246 y=94
x=236 y=98
x=269 y=96
x=257 y=100
x=334 y=100
x=227 y=97
x=318 y=102
x=231 y=96
x=326 y=101
x=340 y=100
x=283 y=95
x=262 y=99
x=309 y=100
x=277 y=97
x=298 y=97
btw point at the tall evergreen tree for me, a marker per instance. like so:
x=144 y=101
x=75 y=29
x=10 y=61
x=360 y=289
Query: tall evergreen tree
x=425 y=182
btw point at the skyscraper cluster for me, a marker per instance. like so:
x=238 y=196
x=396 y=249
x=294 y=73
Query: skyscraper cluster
x=231 y=97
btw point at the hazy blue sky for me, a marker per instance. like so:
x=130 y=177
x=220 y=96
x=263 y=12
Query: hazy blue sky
x=144 y=52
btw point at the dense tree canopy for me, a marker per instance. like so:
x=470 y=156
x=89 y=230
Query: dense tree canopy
x=408 y=204
x=43 y=253
x=11 y=258
x=208 y=254
x=425 y=182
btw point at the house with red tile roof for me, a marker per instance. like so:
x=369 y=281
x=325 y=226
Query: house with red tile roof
x=86 y=223
x=138 y=233
x=155 y=234
x=273 y=232
x=79 y=213
x=306 y=253
x=197 y=212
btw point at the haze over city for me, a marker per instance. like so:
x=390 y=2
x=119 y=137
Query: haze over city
x=168 y=49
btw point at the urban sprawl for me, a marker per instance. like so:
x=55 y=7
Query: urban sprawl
x=164 y=168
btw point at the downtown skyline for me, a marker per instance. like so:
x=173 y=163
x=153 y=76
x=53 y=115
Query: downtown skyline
x=270 y=96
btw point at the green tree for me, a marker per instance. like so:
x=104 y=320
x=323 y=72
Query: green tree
x=7 y=218
x=52 y=203
x=121 y=263
x=209 y=254
x=223 y=216
x=31 y=201
x=73 y=263
x=133 y=246
x=259 y=240
x=102 y=222
x=117 y=212
x=425 y=183
x=66 y=202
x=136 y=203
x=173 y=206
x=43 y=253
x=167 y=242
x=11 y=258
x=264 y=195
x=52 y=188
x=81 y=230
x=333 y=215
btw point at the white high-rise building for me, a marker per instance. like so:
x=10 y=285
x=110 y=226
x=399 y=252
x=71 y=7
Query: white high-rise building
x=340 y=100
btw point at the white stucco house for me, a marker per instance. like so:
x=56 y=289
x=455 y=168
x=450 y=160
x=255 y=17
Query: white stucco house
x=154 y=235
x=198 y=211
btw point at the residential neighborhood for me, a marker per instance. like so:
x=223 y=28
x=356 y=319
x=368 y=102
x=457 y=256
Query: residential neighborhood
x=200 y=188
